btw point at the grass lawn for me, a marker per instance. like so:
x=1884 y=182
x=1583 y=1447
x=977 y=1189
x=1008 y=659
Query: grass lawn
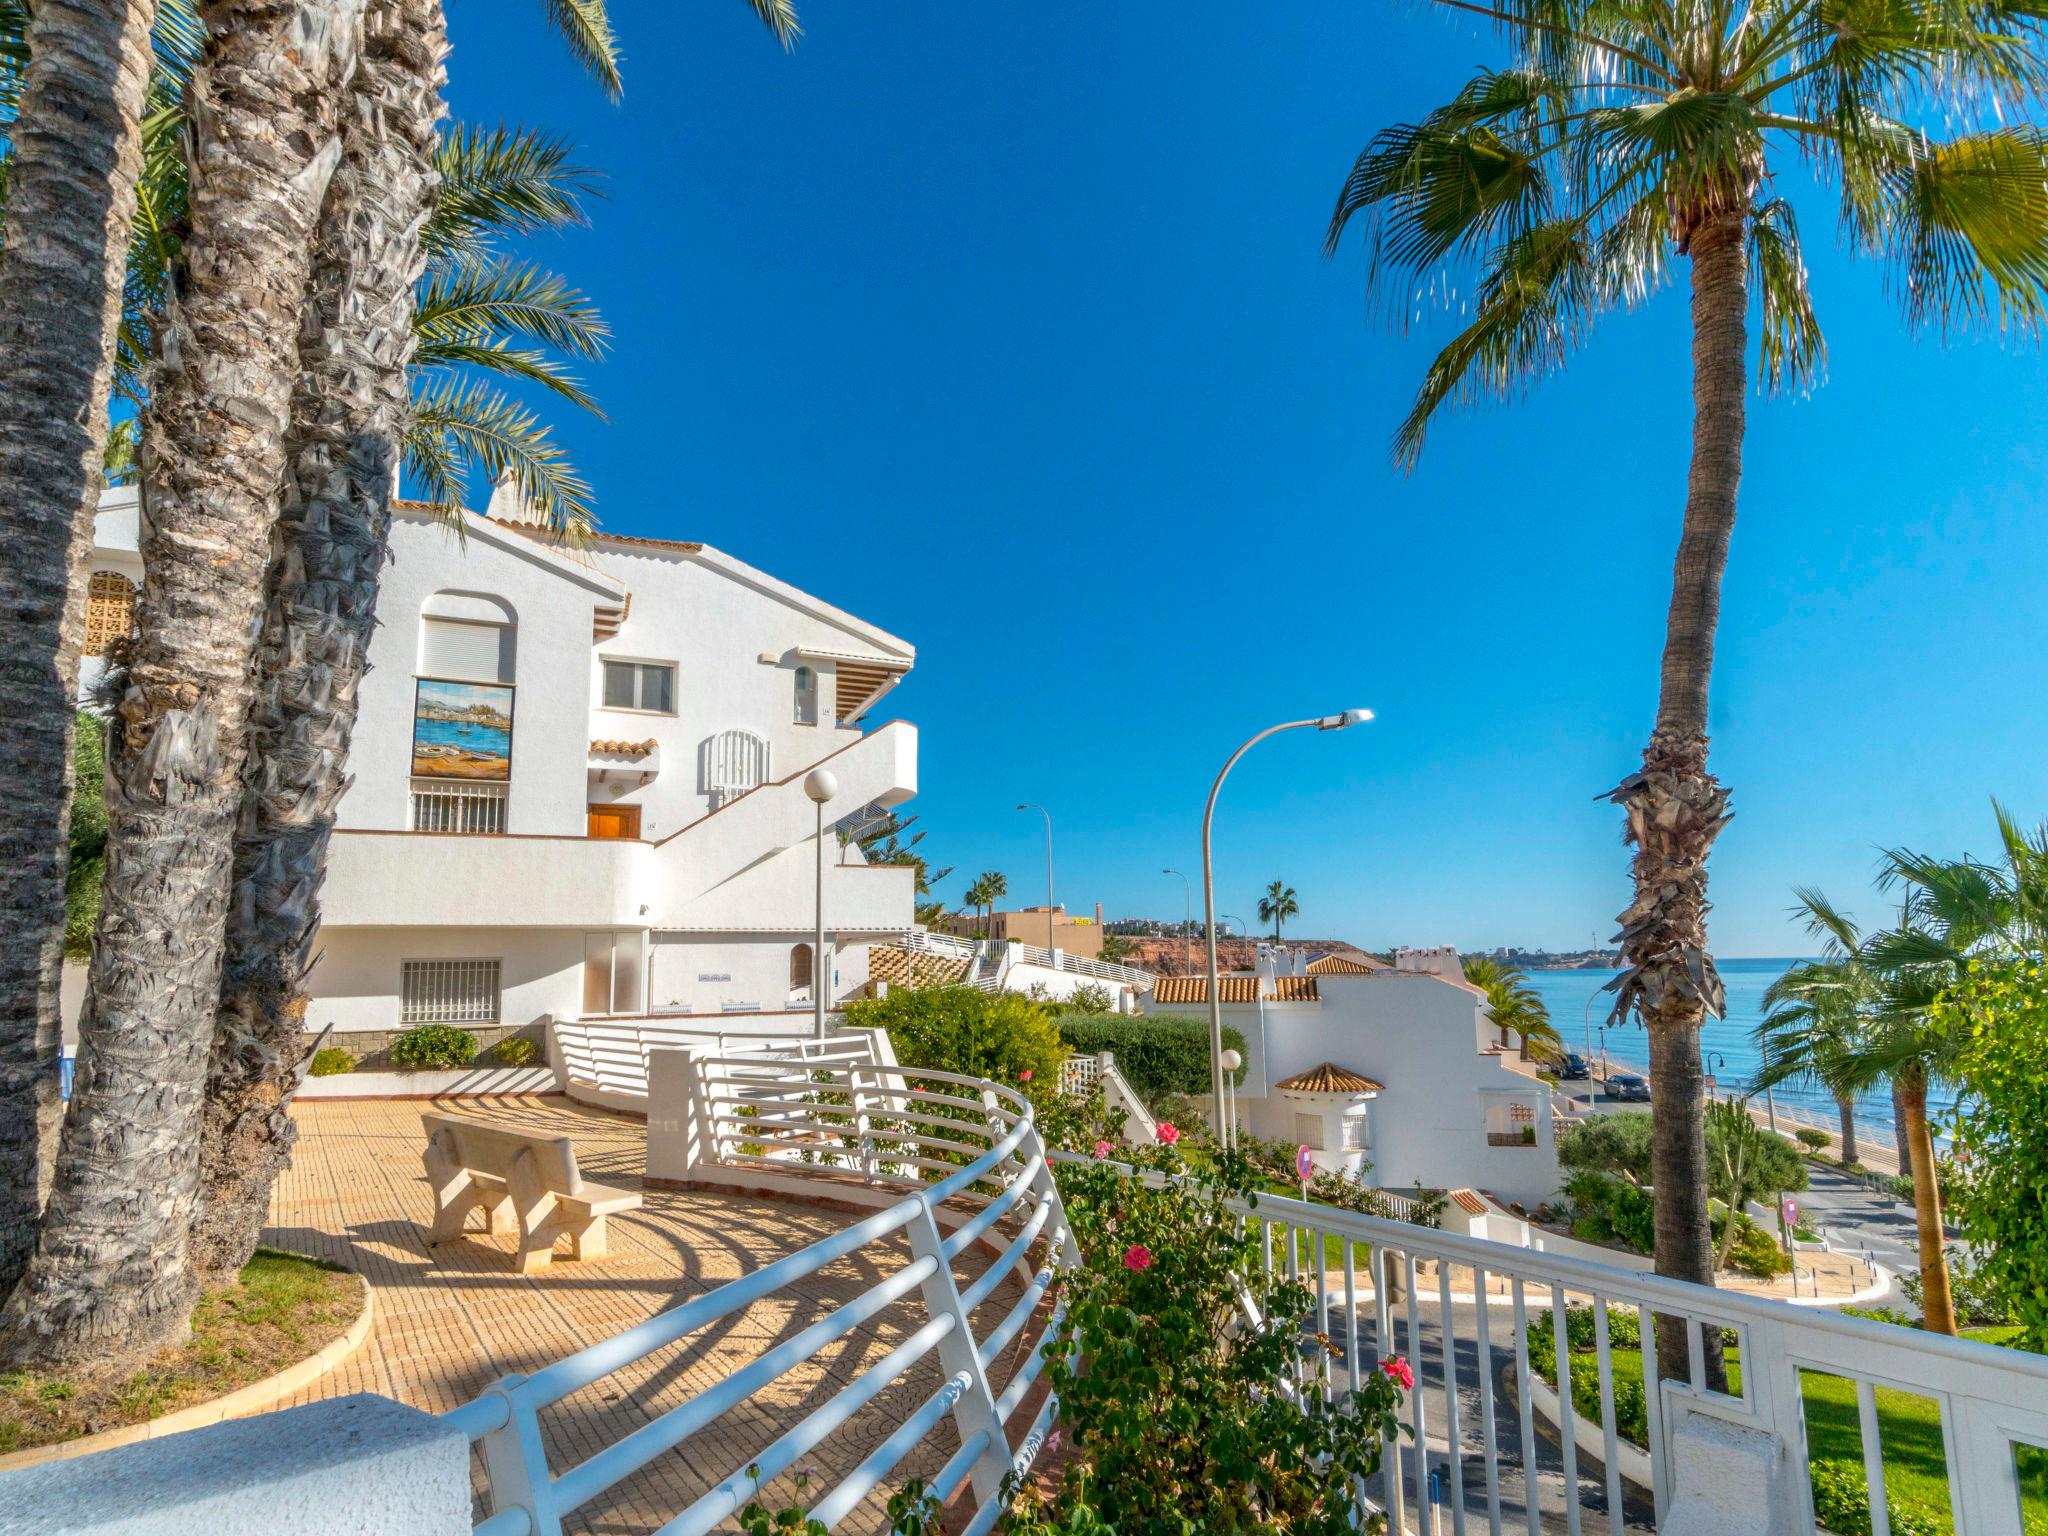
x=282 y=1308
x=1909 y=1428
x=1332 y=1245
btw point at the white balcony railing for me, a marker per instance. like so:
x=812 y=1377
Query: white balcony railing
x=1458 y=1308
x=774 y=1111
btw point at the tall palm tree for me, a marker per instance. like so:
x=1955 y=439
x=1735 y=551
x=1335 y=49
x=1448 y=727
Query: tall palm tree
x=1517 y=1009
x=111 y=1279
x=73 y=82
x=1616 y=139
x=1278 y=905
x=1814 y=1029
x=976 y=896
x=996 y=886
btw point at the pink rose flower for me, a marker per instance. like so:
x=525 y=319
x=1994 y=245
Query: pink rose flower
x=1137 y=1256
x=1166 y=1133
x=1102 y=1149
x=1024 y=1076
x=1398 y=1371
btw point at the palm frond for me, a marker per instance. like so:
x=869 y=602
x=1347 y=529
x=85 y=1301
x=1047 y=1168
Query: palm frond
x=472 y=301
x=499 y=182
x=460 y=424
x=586 y=27
x=1965 y=226
x=779 y=16
x=1532 y=310
x=1790 y=348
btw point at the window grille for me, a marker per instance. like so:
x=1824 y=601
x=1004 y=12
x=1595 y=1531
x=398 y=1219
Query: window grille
x=451 y=805
x=449 y=992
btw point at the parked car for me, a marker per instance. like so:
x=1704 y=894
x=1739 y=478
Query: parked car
x=1576 y=1068
x=1626 y=1085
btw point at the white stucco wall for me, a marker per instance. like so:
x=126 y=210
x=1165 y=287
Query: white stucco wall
x=1420 y=1035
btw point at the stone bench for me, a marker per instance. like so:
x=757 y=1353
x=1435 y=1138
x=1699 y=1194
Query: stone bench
x=524 y=1181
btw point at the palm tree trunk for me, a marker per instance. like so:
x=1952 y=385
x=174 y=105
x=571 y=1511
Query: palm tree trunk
x=1675 y=807
x=1847 y=1109
x=1937 y=1306
x=1899 y=1129
x=111 y=1280
x=77 y=142
x=328 y=553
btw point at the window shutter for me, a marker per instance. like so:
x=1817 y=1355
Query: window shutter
x=470 y=653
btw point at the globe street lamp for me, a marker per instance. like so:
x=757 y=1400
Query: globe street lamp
x=1187 y=924
x=821 y=785
x=1226 y=1134
x=1051 y=949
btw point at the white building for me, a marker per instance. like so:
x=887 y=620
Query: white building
x=1395 y=1069
x=578 y=782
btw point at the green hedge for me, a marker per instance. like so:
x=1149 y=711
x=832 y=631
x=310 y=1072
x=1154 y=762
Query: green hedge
x=957 y=1029
x=1156 y=1055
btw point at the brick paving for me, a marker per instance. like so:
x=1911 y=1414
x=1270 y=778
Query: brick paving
x=451 y=1322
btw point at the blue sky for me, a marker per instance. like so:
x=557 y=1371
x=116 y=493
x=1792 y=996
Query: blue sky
x=1006 y=327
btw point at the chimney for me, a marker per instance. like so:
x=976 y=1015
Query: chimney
x=509 y=503
x=1098 y=914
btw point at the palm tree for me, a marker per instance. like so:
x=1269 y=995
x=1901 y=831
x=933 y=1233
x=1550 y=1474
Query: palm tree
x=111 y=1279
x=996 y=886
x=1814 y=1028
x=1277 y=905
x=1617 y=139
x=1517 y=1009
x=1903 y=970
x=73 y=83
x=976 y=896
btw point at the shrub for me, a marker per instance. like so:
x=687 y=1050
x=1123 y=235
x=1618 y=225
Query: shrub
x=1613 y=1208
x=331 y=1061
x=957 y=1029
x=515 y=1051
x=1090 y=997
x=1157 y=1055
x=1756 y=1252
x=1811 y=1139
x=1174 y=1423
x=1841 y=1503
x=434 y=1045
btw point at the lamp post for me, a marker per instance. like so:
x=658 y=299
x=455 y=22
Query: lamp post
x=1187 y=924
x=1051 y=949
x=1243 y=927
x=1231 y=1062
x=1337 y=722
x=820 y=785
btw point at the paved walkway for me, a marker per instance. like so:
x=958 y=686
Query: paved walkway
x=449 y=1324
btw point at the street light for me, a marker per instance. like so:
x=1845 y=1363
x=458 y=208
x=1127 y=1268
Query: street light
x=1337 y=722
x=1243 y=927
x=1051 y=949
x=1187 y=924
x=1231 y=1062
x=820 y=785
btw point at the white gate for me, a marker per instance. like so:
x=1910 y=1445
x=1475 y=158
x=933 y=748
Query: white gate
x=735 y=761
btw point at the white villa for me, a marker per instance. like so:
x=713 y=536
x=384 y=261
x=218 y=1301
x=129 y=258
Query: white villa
x=1395 y=1068
x=578 y=782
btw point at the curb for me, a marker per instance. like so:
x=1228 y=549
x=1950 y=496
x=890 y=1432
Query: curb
x=1632 y=1461
x=253 y=1398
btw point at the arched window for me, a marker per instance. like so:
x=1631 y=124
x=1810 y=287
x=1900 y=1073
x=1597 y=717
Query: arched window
x=468 y=637
x=806 y=696
x=799 y=967
x=109 y=611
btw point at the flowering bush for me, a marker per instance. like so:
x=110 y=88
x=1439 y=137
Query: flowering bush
x=1181 y=1417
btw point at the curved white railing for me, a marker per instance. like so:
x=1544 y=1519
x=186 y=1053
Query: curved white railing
x=942 y=1151
x=940 y=1136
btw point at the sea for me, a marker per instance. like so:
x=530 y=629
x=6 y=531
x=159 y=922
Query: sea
x=1579 y=1009
x=470 y=735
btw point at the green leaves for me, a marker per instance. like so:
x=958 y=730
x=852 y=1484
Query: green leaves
x=1790 y=346
x=503 y=182
x=1967 y=229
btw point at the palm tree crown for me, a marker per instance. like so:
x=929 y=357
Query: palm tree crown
x=1517 y=1008
x=1562 y=185
x=1278 y=905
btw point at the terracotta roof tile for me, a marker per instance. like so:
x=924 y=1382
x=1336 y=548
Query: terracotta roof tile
x=1234 y=989
x=1329 y=1078
x=1468 y=1201
x=610 y=748
x=1341 y=965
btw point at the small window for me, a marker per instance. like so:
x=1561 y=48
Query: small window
x=800 y=968
x=806 y=696
x=1354 y=1133
x=448 y=992
x=466 y=651
x=1308 y=1130
x=649 y=686
x=109 y=611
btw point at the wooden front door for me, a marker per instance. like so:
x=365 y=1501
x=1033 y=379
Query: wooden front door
x=615 y=821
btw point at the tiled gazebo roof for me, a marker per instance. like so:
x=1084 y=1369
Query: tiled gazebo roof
x=1329 y=1078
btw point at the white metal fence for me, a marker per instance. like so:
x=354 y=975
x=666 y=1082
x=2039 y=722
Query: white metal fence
x=610 y=1055
x=1081 y=965
x=1459 y=1308
x=450 y=805
x=943 y=1138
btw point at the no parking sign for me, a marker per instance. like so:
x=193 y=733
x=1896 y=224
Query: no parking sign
x=1304 y=1166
